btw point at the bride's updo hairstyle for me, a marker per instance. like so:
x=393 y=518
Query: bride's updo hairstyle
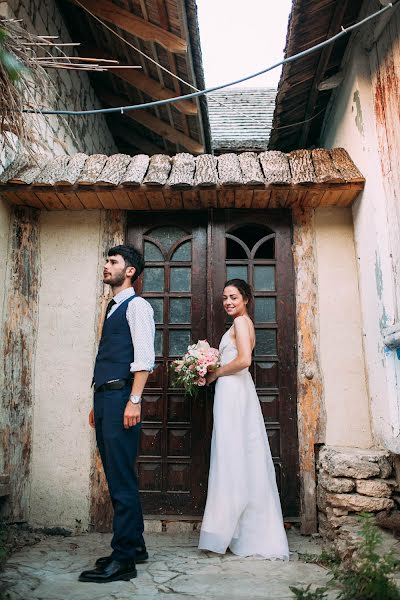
x=243 y=287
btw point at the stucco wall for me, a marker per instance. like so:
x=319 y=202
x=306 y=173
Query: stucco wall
x=72 y=89
x=351 y=123
x=62 y=440
x=347 y=419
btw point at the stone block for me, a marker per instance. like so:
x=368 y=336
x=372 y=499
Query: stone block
x=339 y=512
x=152 y=526
x=335 y=484
x=359 y=503
x=321 y=498
x=355 y=462
x=179 y=526
x=374 y=487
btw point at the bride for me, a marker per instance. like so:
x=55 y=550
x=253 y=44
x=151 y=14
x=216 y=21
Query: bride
x=243 y=510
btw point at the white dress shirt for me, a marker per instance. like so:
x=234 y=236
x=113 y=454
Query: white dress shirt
x=140 y=317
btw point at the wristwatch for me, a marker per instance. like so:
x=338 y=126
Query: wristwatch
x=135 y=399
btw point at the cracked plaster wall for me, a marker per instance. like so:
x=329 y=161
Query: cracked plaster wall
x=66 y=342
x=351 y=123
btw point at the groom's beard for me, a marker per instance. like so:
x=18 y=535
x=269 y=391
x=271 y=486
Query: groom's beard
x=117 y=280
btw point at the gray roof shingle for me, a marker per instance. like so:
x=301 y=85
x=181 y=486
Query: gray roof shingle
x=241 y=119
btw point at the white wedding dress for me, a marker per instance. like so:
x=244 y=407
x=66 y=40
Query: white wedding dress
x=243 y=510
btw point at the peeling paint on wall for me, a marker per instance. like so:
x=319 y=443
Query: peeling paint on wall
x=378 y=276
x=359 y=115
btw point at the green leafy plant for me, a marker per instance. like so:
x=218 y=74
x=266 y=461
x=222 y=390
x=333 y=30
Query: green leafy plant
x=369 y=575
x=307 y=594
x=324 y=559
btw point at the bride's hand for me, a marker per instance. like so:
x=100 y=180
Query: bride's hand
x=211 y=376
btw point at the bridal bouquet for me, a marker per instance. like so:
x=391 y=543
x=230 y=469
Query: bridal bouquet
x=193 y=366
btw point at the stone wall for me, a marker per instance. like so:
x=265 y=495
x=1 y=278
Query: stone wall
x=72 y=89
x=352 y=481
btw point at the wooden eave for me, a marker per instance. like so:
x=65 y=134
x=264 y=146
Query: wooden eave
x=168 y=33
x=269 y=179
x=300 y=106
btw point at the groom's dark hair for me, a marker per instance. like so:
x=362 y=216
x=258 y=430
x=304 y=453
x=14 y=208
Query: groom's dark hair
x=242 y=286
x=131 y=256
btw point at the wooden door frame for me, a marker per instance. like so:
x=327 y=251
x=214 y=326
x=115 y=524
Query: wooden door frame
x=309 y=377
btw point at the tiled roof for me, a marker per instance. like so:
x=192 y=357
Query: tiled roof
x=249 y=180
x=241 y=119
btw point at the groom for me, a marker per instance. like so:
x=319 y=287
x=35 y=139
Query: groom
x=124 y=360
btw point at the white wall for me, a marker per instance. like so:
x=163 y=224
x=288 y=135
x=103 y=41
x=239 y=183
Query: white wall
x=340 y=337
x=62 y=439
x=351 y=124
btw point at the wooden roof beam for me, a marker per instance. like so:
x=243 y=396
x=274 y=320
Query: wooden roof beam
x=336 y=22
x=125 y=20
x=144 y=83
x=148 y=120
x=129 y=136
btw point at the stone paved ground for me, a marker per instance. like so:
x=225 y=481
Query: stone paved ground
x=175 y=570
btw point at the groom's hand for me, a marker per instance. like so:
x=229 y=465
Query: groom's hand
x=131 y=415
x=91 y=418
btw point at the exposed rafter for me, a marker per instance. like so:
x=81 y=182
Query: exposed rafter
x=148 y=120
x=125 y=20
x=132 y=138
x=145 y=84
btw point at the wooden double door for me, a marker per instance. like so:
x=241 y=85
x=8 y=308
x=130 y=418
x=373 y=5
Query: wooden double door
x=188 y=258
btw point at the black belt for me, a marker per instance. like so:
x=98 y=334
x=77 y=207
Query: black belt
x=113 y=385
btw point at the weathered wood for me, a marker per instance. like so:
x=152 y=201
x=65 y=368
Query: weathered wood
x=155 y=199
x=107 y=200
x=139 y=200
x=114 y=169
x=92 y=169
x=191 y=199
x=70 y=200
x=325 y=170
x=261 y=198
x=20 y=334
x=301 y=167
x=73 y=170
x=89 y=200
x=278 y=198
x=312 y=198
x=11 y=197
x=154 y=89
x=251 y=169
x=229 y=171
x=345 y=165
x=28 y=173
x=226 y=198
x=243 y=198
x=29 y=198
x=112 y=234
x=182 y=170
x=50 y=200
x=127 y=21
x=53 y=171
x=136 y=170
x=20 y=161
x=122 y=199
x=206 y=173
x=275 y=166
x=158 y=171
x=173 y=199
x=309 y=378
x=209 y=198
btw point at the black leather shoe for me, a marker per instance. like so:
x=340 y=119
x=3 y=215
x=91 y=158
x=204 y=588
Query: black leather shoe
x=141 y=557
x=113 y=571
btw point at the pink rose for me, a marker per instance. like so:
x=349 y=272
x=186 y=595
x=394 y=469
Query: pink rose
x=201 y=381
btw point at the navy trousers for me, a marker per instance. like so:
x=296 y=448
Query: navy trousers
x=118 y=449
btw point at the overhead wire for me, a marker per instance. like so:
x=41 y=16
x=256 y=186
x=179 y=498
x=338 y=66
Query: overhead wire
x=122 y=109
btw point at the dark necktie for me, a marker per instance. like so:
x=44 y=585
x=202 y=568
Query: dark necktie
x=109 y=306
